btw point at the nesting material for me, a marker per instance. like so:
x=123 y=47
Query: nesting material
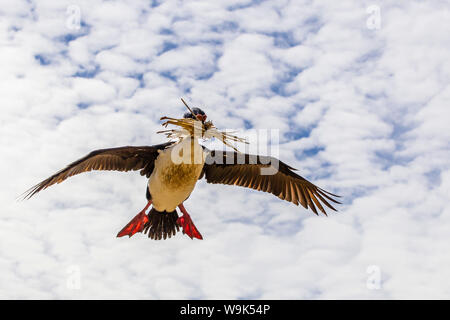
x=194 y=128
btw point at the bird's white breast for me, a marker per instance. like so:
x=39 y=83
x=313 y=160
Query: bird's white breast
x=176 y=172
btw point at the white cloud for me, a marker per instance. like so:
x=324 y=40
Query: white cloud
x=93 y=90
x=190 y=61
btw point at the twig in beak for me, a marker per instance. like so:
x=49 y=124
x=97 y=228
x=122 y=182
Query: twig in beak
x=190 y=110
x=191 y=126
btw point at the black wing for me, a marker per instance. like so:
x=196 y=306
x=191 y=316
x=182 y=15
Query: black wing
x=246 y=170
x=119 y=159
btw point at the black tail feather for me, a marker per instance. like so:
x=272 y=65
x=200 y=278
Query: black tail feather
x=161 y=225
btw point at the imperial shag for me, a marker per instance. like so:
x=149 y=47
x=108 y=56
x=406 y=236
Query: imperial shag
x=173 y=169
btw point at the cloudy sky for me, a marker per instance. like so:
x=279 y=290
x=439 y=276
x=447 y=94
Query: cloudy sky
x=359 y=91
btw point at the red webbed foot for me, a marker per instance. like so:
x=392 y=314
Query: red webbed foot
x=136 y=224
x=188 y=225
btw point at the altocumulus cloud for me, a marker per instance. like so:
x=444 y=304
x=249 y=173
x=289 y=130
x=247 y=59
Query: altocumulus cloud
x=361 y=107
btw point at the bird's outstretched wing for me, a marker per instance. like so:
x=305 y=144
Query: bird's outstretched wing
x=266 y=174
x=119 y=159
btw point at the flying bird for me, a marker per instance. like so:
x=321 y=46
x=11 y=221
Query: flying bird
x=173 y=169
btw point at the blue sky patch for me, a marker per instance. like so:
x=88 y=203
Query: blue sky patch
x=140 y=78
x=225 y=26
x=43 y=60
x=83 y=105
x=167 y=46
x=87 y=72
x=283 y=39
x=169 y=75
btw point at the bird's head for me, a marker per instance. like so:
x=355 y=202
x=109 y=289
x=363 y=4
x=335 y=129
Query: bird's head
x=196 y=114
x=194 y=124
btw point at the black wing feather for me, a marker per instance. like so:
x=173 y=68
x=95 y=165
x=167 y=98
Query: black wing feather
x=118 y=159
x=245 y=170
